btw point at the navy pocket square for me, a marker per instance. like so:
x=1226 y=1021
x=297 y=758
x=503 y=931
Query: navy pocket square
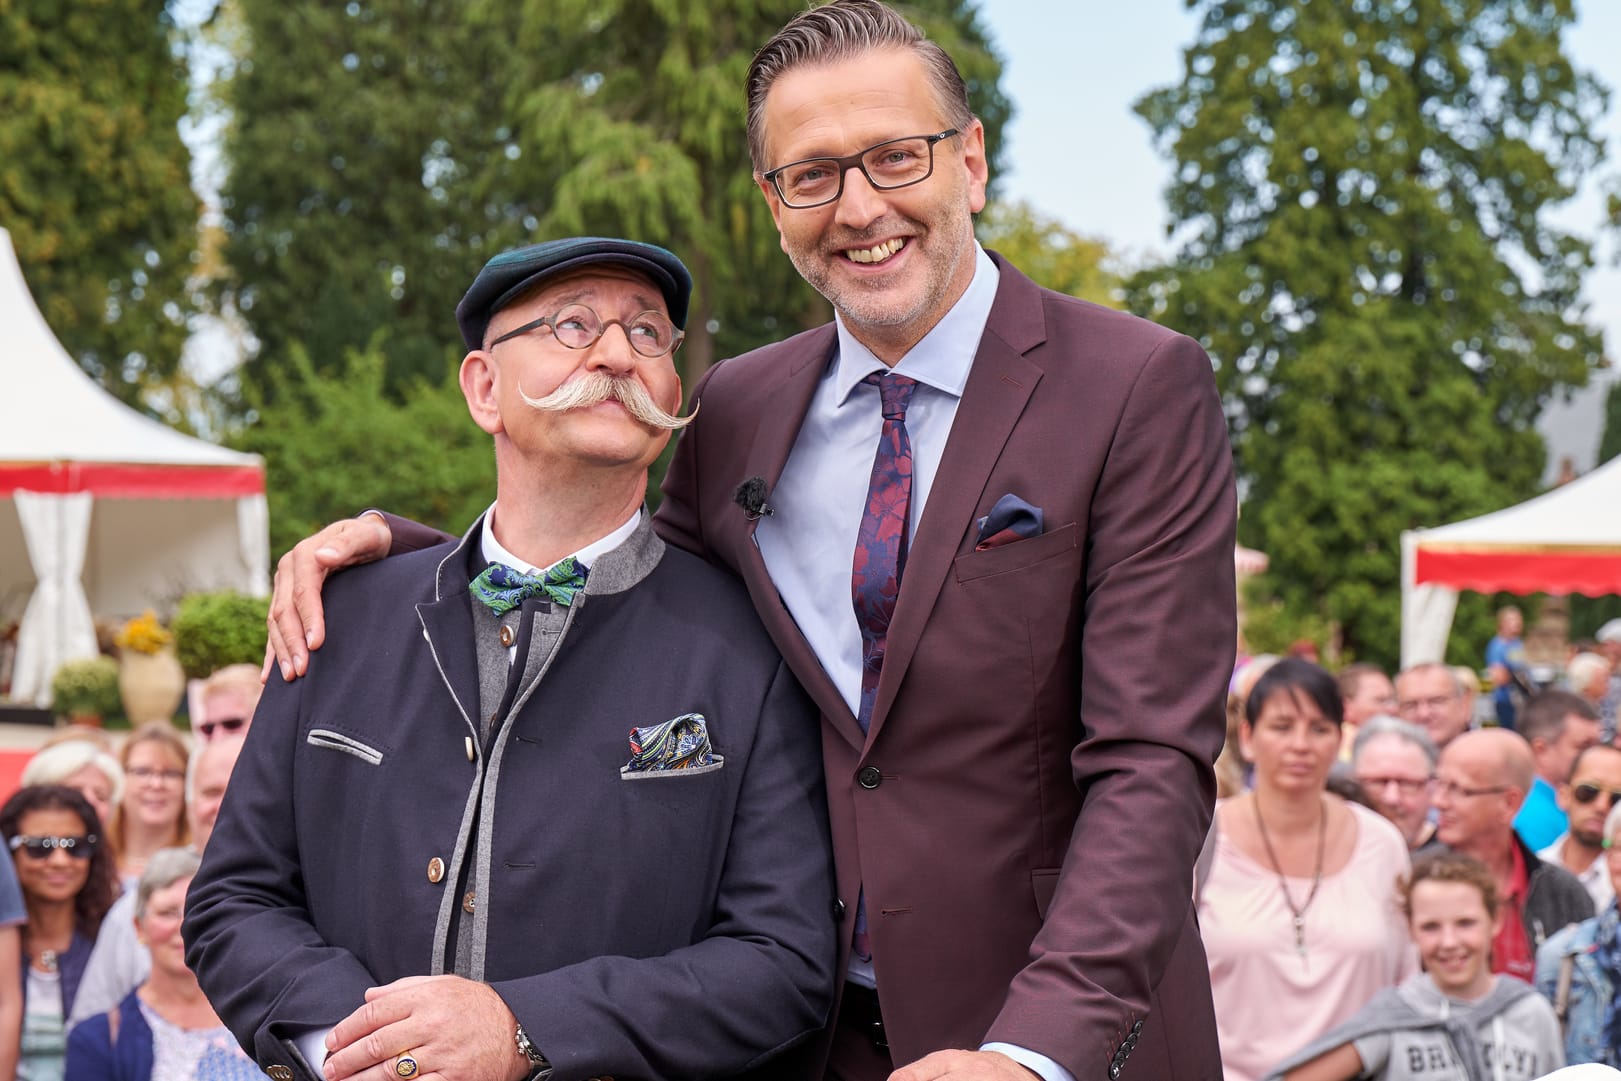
x=679 y=743
x=1010 y=519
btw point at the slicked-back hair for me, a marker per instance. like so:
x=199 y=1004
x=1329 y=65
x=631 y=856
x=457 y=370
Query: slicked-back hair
x=1544 y=714
x=839 y=31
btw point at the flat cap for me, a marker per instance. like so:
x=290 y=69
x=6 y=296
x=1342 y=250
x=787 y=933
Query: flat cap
x=510 y=273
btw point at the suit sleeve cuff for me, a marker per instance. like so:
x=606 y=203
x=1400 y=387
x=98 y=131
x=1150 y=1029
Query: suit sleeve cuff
x=1039 y=1064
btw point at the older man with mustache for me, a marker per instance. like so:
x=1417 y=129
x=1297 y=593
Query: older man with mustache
x=549 y=802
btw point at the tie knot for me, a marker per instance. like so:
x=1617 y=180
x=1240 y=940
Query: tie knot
x=504 y=589
x=895 y=392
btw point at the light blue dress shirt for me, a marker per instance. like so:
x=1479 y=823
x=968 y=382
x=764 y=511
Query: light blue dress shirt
x=809 y=541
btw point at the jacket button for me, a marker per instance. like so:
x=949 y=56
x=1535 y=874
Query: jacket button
x=506 y=637
x=1138 y=1027
x=280 y=1073
x=870 y=777
x=838 y=909
x=436 y=869
x=467 y=902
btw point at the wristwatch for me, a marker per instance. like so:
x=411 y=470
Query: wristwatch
x=542 y=1070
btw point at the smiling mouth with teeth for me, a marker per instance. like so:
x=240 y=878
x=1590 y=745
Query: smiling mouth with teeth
x=877 y=253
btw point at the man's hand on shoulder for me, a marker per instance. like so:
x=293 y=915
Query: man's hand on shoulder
x=297 y=623
x=452 y=1027
x=964 y=1066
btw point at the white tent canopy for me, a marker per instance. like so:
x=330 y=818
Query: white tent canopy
x=1564 y=541
x=102 y=509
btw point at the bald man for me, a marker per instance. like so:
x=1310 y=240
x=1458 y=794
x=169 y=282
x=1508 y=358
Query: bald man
x=120 y=962
x=1480 y=782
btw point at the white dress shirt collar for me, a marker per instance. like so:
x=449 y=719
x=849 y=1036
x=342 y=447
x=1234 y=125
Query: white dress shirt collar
x=946 y=353
x=494 y=552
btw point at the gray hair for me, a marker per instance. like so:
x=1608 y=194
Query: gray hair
x=1384 y=725
x=1459 y=688
x=839 y=31
x=164 y=868
x=1583 y=667
x=56 y=763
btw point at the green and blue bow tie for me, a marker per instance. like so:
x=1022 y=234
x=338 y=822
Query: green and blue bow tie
x=504 y=589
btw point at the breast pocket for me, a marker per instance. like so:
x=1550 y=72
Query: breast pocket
x=329 y=739
x=1008 y=558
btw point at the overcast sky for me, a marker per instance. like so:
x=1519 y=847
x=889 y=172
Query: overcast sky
x=1077 y=152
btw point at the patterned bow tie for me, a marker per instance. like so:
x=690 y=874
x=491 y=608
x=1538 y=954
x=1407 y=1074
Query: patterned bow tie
x=504 y=589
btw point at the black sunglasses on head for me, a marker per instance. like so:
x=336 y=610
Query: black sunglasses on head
x=40 y=848
x=1587 y=793
x=229 y=724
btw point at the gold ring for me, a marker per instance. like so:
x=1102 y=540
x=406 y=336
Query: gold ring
x=406 y=1066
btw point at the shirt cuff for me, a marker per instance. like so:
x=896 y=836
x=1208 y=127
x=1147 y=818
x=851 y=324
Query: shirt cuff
x=1044 y=1067
x=311 y=1043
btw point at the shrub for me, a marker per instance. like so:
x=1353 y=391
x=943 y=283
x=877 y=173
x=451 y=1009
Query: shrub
x=215 y=629
x=86 y=687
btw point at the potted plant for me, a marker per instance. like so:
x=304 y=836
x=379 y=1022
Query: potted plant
x=149 y=675
x=85 y=691
x=218 y=628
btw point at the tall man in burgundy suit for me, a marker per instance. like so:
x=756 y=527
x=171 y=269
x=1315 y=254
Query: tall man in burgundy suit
x=1018 y=744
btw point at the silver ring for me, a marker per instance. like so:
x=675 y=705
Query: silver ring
x=406 y=1066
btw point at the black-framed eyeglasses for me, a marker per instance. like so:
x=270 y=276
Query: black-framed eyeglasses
x=894 y=163
x=227 y=724
x=578 y=327
x=1586 y=793
x=40 y=848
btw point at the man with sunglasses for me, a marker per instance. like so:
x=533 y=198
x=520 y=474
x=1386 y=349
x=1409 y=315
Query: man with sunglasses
x=549 y=801
x=1593 y=789
x=224 y=702
x=1558 y=725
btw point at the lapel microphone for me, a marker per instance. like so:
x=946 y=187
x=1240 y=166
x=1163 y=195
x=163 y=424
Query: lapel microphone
x=750 y=495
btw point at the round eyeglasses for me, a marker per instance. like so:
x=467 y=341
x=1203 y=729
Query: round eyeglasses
x=578 y=327
x=895 y=163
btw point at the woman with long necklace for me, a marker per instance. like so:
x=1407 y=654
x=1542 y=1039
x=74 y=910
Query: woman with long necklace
x=1298 y=910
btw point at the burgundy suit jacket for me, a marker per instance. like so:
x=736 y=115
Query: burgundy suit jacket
x=1027 y=807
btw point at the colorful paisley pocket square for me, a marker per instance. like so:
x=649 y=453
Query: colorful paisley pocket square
x=1010 y=519
x=681 y=743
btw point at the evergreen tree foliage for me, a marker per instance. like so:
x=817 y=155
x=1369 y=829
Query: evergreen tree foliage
x=334 y=444
x=1050 y=253
x=1360 y=196
x=95 y=181
x=383 y=149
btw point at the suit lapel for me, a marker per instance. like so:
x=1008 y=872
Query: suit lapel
x=447 y=624
x=999 y=384
x=781 y=409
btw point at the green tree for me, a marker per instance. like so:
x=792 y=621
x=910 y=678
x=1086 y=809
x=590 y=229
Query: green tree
x=393 y=145
x=1049 y=252
x=95 y=181
x=1362 y=191
x=334 y=444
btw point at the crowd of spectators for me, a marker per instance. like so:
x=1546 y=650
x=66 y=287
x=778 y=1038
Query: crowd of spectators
x=1403 y=881
x=104 y=837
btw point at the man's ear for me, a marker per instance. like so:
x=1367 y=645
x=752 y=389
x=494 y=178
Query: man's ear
x=979 y=171
x=478 y=377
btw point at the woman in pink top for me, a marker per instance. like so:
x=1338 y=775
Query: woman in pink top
x=1299 y=909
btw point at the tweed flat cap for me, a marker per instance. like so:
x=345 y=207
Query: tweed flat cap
x=510 y=273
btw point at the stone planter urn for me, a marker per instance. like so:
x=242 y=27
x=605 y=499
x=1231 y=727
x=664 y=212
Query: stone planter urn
x=151 y=684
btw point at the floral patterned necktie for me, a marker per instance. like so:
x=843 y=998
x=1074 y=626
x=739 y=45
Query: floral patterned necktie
x=880 y=557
